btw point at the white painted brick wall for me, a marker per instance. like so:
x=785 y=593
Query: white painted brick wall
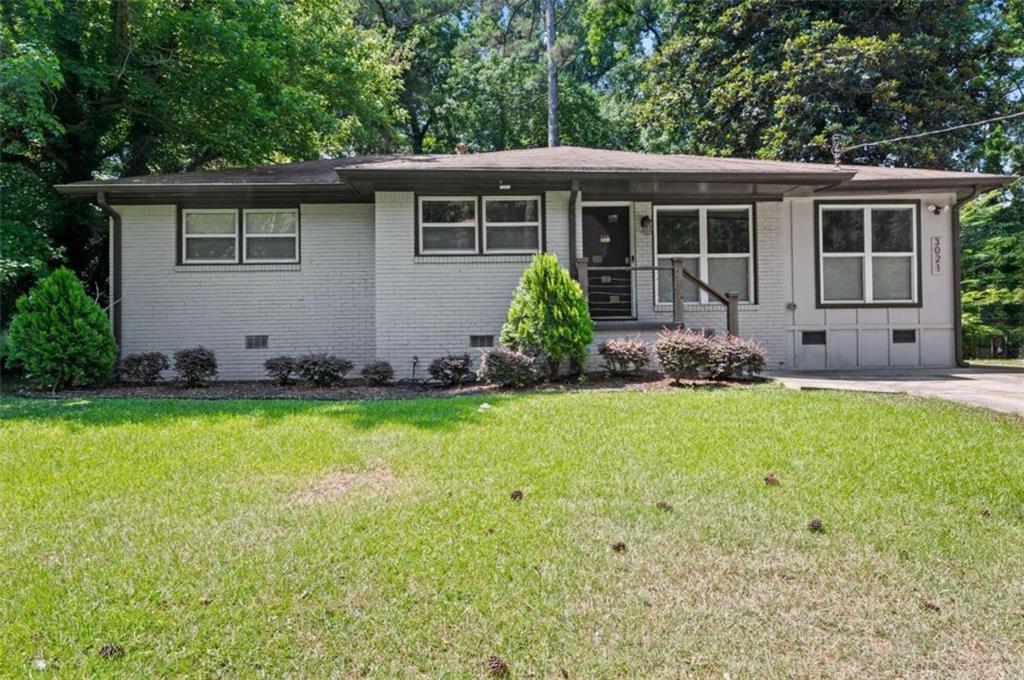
x=326 y=303
x=428 y=306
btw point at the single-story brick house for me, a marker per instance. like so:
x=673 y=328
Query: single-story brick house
x=406 y=258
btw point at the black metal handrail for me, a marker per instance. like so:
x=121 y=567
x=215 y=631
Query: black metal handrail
x=679 y=275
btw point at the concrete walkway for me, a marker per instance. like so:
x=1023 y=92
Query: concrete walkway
x=996 y=388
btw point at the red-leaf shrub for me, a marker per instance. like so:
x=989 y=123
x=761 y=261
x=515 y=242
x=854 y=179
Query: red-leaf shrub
x=281 y=369
x=378 y=373
x=322 y=369
x=735 y=357
x=509 y=368
x=451 y=370
x=195 y=365
x=693 y=354
x=684 y=355
x=622 y=356
x=143 y=369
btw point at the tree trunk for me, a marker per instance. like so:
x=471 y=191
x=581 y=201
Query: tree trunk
x=549 y=17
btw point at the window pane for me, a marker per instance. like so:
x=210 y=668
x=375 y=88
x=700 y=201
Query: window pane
x=844 y=278
x=271 y=222
x=842 y=231
x=210 y=223
x=269 y=248
x=730 y=275
x=512 y=238
x=728 y=231
x=892 y=231
x=890 y=278
x=512 y=211
x=679 y=231
x=449 y=212
x=690 y=292
x=210 y=249
x=449 y=238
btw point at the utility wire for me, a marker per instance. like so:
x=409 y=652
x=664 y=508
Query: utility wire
x=838 y=149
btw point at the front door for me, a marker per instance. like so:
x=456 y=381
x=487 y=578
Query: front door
x=606 y=243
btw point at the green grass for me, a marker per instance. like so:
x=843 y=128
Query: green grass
x=191 y=534
x=1012 y=363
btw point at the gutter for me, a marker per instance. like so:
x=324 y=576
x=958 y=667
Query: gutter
x=574 y=193
x=958 y=322
x=115 y=266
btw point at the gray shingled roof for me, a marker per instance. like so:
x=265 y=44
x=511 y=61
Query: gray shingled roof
x=563 y=160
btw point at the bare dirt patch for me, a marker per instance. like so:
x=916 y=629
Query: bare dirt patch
x=339 y=484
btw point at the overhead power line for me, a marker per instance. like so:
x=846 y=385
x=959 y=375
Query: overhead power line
x=838 y=149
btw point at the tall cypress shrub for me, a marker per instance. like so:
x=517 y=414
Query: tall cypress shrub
x=60 y=336
x=548 y=315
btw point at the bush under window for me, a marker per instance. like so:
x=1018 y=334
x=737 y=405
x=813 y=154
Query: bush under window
x=378 y=373
x=60 y=335
x=622 y=357
x=509 y=368
x=195 y=366
x=451 y=370
x=281 y=369
x=323 y=370
x=686 y=355
x=143 y=369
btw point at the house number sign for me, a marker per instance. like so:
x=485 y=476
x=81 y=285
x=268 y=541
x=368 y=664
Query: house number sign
x=938 y=263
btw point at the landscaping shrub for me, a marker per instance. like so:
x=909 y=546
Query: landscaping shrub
x=507 y=367
x=281 y=369
x=143 y=368
x=323 y=369
x=684 y=354
x=691 y=354
x=624 y=356
x=451 y=370
x=195 y=366
x=59 y=335
x=378 y=373
x=548 y=315
x=734 y=357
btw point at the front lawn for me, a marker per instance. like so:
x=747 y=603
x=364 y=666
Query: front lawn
x=237 y=538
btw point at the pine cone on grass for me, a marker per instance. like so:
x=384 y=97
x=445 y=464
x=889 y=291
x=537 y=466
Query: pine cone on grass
x=496 y=667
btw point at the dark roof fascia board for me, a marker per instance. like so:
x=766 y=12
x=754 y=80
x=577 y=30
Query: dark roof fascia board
x=90 y=188
x=914 y=184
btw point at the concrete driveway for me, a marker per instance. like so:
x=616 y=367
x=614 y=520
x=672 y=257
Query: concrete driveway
x=997 y=388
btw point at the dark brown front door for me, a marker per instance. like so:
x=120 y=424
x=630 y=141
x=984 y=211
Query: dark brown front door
x=606 y=244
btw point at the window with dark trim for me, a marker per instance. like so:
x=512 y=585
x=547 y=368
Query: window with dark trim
x=867 y=254
x=447 y=225
x=270 y=235
x=812 y=337
x=511 y=224
x=904 y=336
x=209 y=236
x=716 y=244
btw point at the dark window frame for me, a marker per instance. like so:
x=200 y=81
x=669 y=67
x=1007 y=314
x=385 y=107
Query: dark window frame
x=239 y=208
x=479 y=196
x=684 y=202
x=865 y=204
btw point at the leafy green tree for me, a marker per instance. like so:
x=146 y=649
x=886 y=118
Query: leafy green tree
x=61 y=336
x=113 y=88
x=777 y=80
x=549 y=315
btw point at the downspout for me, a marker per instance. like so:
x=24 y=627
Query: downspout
x=115 y=266
x=574 y=192
x=958 y=323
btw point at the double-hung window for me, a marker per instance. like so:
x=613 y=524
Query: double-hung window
x=716 y=244
x=271 y=236
x=867 y=254
x=209 y=236
x=448 y=225
x=512 y=224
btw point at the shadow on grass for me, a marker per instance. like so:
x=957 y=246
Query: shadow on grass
x=429 y=414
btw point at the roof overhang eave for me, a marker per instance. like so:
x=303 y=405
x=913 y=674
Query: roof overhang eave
x=431 y=174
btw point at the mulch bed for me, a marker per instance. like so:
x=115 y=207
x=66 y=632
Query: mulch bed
x=261 y=389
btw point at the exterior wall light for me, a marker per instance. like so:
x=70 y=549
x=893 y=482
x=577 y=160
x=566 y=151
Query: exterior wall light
x=645 y=224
